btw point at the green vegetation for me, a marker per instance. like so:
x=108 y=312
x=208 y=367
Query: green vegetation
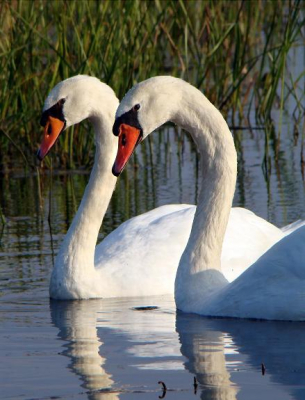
x=237 y=52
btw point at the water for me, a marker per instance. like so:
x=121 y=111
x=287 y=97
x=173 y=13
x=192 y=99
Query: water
x=111 y=349
x=107 y=349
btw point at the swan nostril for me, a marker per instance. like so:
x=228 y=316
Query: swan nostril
x=49 y=129
x=124 y=140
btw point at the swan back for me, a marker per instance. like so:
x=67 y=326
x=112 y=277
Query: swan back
x=272 y=288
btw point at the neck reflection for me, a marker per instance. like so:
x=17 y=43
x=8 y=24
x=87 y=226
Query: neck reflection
x=77 y=324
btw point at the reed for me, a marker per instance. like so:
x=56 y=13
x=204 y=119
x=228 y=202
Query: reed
x=235 y=51
x=2 y=218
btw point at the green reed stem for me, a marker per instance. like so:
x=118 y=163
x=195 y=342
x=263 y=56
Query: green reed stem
x=2 y=217
x=224 y=48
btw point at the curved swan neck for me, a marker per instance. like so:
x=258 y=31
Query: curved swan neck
x=218 y=163
x=165 y=98
x=219 y=169
x=77 y=251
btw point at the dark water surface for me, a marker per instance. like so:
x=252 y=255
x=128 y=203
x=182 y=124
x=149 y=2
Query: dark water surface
x=109 y=349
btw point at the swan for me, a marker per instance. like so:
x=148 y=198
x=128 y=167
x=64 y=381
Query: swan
x=137 y=258
x=271 y=288
x=127 y=262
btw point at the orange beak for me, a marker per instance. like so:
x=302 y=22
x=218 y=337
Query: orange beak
x=129 y=138
x=52 y=130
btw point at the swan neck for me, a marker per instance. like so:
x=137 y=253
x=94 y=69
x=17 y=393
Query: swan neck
x=76 y=255
x=218 y=163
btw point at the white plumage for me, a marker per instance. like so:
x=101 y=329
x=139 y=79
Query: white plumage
x=274 y=286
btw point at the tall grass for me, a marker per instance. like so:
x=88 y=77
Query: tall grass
x=235 y=51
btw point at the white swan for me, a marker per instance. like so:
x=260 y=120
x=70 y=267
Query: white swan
x=274 y=286
x=137 y=258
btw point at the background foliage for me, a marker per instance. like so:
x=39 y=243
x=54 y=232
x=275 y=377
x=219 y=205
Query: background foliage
x=235 y=51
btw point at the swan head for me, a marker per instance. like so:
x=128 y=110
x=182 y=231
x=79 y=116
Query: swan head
x=70 y=102
x=145 y=107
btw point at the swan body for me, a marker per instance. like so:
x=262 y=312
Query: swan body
x=137 y=258
x=123 y=264
x=274 y=286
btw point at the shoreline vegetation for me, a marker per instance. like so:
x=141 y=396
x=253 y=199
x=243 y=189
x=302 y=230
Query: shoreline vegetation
x=237 y=52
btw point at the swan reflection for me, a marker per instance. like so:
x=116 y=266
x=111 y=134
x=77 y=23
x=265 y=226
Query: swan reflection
x=280 y=346
x=118 y=351
x=204 y=348
x=76 y=321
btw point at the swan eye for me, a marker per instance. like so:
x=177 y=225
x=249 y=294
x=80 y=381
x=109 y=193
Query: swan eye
x=136 y=107
x=62 y=102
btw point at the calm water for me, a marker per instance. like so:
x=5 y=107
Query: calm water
x=109 y=349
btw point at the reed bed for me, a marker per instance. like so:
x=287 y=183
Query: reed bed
x=237 y=52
